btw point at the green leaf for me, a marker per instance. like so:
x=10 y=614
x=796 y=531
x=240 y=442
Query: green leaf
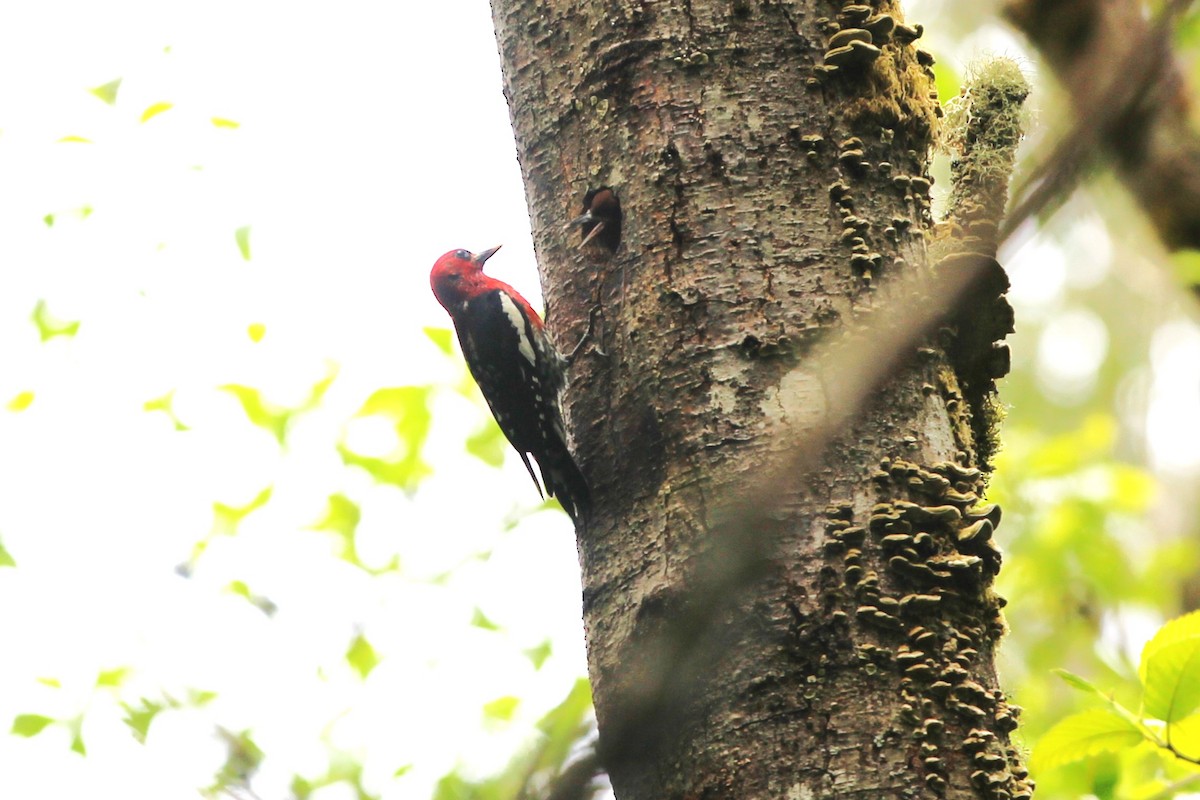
x=76 y=727
x=539 y=654
x=154 y=110
x=488 y=444
x=501 y=709
x=442 y=338
x=1170 y=669
x=30 y=724
x=242 y=759
x=480 y=620
x=222 y=122
x=1070 y=452
x=227 y=518
x=407 y=408
x=301 y=788
x=1186 y=266
x=113 y=678
x=1082 y=684
x=107 y=92
x=138 y=719
x=273 y=417
x=362 y=656
x=165 y=404
x=341 y=516
x=49 y=220
x=50 y=326
x=242 y=237
x=565 y=724
x=947 y=80
x=6 y=559
x=266 y=415
x=1082 y=735
x=241 y=589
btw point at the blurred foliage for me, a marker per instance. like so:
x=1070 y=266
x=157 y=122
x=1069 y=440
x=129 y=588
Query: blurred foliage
x=107 y=92
x=155 y=109
x=272 y=417
x=50 y=326
x=407 y=409
x=1157 y=747
x=529 y=773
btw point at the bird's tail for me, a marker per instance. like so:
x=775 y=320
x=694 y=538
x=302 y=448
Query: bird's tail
x=563 y=480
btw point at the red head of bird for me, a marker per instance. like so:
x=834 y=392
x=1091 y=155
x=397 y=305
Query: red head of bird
x=458 y=276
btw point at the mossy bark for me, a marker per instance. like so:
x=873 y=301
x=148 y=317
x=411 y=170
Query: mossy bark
x=766 y=196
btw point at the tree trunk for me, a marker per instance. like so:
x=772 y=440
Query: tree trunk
x=770 y=159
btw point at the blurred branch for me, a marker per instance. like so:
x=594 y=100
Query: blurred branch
x=1131 y=103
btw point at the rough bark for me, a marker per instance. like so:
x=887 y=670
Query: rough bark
x=765 y=197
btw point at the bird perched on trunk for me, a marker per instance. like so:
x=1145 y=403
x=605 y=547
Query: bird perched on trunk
x=601 y=218
x=517 y=367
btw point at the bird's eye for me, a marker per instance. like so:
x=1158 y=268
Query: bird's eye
x=463 y=254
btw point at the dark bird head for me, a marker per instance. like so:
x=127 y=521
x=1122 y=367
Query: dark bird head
x=601 y=218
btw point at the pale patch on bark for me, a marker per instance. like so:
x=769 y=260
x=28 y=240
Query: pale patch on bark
x=797 y=402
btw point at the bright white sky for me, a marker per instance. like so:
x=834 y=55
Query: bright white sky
x=373 y=136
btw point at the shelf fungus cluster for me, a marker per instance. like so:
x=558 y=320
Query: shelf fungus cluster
x=919 y=574
x=856 y=38
x=857 y=232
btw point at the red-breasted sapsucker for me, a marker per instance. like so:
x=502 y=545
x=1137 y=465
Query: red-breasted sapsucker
x=517 y=367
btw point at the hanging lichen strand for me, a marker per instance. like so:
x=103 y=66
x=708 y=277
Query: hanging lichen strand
x=984 y=125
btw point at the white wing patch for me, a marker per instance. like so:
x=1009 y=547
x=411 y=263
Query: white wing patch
x=519 y=323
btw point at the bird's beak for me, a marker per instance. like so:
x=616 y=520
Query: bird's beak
x=592 y=233
x=582 y=218
x=486 y=254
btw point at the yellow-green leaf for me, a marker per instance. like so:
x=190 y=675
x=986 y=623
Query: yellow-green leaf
x=20 y=402
x=242 y=237
x=6 y=559
x=139 y=718
x=1170 y=669
x=154 y=110
x=256 y=331
x=441 y=337
x=76 y=139
x=488 y=444
x=480 y=620
x=112 y=677
x=227 y=518
x=107 y=92
x=1082 y=735
x=407 y=408
x=538 y=655
x=362 y=656
x=50 y=326
x=501 y=709
x=222 y=122
x=264 y=414
x=30 y=724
